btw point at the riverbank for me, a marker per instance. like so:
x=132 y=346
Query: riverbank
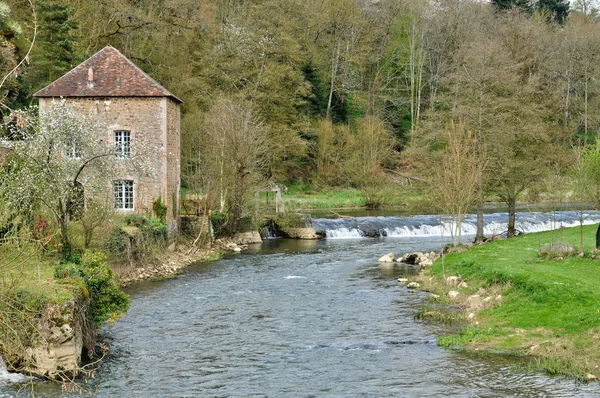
x=168 y=264
x=519 y=303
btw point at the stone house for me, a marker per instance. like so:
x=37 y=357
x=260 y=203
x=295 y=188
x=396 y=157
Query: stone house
x=143 y=120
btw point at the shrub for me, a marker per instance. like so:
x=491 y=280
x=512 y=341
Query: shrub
x=160 y=210
x=220 y=225
x=96 y=280
x=133 y=246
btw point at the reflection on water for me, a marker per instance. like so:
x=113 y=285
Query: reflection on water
x=297 y=319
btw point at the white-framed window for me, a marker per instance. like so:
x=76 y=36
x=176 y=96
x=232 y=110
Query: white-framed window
x=123 y=194
x=73 y=150
x=123 y=144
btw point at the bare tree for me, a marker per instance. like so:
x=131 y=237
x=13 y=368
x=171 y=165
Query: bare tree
x=236 y=143
x=454 y=181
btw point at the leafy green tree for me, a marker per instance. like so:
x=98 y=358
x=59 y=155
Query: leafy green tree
x=557 y=10
x=523 y=5
x=56 y=49
x=9 y=28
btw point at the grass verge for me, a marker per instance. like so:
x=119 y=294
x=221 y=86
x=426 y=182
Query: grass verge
x=545 y=309
x=344 y=198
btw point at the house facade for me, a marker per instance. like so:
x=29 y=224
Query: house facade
x=143 y=120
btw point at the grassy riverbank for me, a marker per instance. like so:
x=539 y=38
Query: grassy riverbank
x=304 y=197
x=548 y=309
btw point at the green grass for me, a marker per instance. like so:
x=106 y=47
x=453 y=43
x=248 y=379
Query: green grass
x=554 y=302
x=19 y=272
x=334 y=198
x=303 y=197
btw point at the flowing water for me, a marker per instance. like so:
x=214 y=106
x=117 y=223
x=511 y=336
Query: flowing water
x=297 y=319
x=434 y=225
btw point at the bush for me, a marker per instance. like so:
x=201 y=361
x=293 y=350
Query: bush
x=133 y=246
x=160 y=210
x=376 y=197
x=291 y=220
x=98 y=282
x=220 y=225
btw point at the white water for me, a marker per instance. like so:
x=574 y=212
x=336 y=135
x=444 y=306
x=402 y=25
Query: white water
x=430 y=225
x=344 y=233
x=7 y=377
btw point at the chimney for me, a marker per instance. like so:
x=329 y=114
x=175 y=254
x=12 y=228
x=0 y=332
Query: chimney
x=90 y=78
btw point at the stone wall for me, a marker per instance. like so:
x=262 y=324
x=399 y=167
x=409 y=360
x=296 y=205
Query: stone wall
x=173 y=163
x=154 y=126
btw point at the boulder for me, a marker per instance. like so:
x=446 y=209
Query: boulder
x=558 y=250
x=453 y=280
x=402 y=280
x=413 y=258
x=307 y=233
x=246 y=238
x=474 y=302
x=388 y=258
x=426 y=263
x=591 y=377
x=418 y=258
x=413 y=285
x=452 y=294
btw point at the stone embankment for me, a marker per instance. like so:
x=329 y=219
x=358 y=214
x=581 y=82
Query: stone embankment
x=61 y=337
x=178 y=257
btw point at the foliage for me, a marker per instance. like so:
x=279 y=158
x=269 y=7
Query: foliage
x=234 y=154
x=55 y=53
x=160 y=210
x=320 y=76
x=98 y=211
x=147 y=236
x=100 y=284
x=454 y=181
x=59 y=154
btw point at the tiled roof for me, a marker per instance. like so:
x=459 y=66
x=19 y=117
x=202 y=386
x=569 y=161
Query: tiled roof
x=108 y=73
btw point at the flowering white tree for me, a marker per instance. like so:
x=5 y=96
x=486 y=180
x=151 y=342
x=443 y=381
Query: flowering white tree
x=61 y=154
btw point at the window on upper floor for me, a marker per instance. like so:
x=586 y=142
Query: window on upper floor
x=123 y=194
x=73 y=150
x=123 y=144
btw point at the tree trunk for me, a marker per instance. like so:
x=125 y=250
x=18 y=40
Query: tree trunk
x=479 y=234
x=334 y=68
x=479 y=238
x=512 y=205
x=63 y=223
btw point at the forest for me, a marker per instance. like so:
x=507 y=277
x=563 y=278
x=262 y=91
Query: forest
x=478 y=100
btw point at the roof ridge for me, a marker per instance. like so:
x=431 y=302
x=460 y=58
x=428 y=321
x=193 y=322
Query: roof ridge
x=135 y=83
x=142 y=71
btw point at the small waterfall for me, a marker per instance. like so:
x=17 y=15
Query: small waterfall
x=7 y=377
x=431 y=225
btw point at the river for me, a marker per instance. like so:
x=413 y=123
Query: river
x=296 y=319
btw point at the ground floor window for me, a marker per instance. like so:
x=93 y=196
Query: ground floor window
x=123 y=194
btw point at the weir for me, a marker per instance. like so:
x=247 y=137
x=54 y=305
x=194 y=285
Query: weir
x=435 y=225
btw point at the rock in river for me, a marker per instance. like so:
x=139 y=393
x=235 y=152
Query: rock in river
x=388 y=258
